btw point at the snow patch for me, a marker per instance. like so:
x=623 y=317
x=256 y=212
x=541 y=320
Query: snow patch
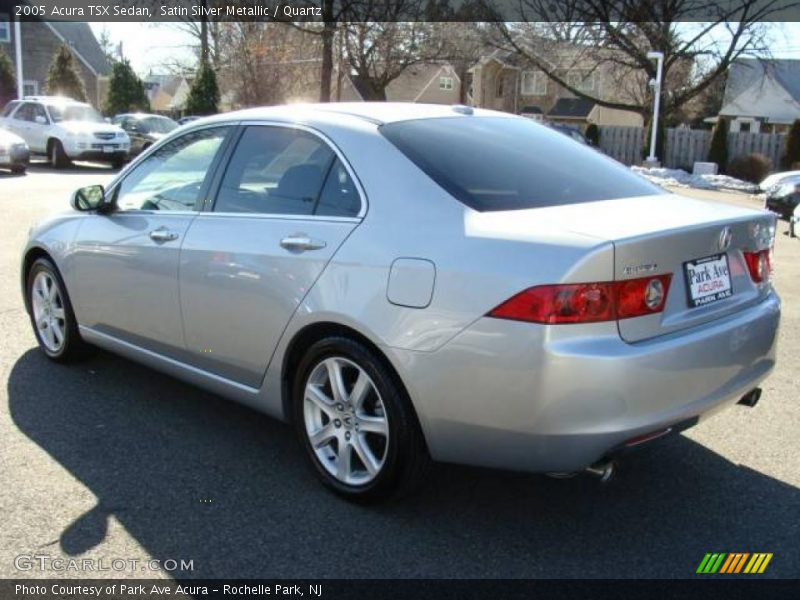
x=680 y=178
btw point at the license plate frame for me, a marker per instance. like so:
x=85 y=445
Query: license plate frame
x=697 y=297
x=109 y=149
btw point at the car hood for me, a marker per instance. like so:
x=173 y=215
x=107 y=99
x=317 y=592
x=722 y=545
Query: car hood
x=89 y=127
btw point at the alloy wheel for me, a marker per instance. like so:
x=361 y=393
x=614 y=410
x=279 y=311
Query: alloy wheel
x=48 y=311
x=345 y=421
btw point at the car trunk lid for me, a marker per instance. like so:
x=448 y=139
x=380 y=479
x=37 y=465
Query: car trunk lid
x=660 y=234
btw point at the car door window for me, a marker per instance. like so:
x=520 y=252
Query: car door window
x=339 y=196
x=172 y=177
x=38 y=111
x=275 y=170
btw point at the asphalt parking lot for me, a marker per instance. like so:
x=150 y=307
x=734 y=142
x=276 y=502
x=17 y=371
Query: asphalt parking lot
x=108 y=460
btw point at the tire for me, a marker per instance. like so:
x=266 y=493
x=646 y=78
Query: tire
x=57 y=309
x=117 y=163
x=58 y=158
x=398 y=459
x=18 y=169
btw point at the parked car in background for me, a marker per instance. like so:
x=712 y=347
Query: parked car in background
x=406 y=282
x=774 y=179
x=14 y=152
x=570 y=132
x=188 y=119
x=143 y=129
x=65 y=130
x=783 y=197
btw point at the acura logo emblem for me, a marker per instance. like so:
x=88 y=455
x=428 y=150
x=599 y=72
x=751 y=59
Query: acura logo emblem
x=725 y=237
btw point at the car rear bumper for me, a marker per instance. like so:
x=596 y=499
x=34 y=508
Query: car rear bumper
x=16 y=157
x=527 y=397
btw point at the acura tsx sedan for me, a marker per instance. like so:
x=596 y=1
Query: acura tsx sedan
x=407 y=283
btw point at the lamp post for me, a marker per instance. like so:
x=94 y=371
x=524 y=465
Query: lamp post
x=18 y=49
x=656 y=85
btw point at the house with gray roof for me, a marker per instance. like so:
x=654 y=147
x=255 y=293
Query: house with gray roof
x=762 y=95
x=40 y=41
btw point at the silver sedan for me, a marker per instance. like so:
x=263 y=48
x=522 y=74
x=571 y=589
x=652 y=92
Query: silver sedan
x=407 y=282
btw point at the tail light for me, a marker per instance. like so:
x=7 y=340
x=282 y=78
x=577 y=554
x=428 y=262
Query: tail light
x=587 y=302
x=759 y=265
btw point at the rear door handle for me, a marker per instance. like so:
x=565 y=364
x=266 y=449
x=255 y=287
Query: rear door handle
x=162 y=234
x=301 y=242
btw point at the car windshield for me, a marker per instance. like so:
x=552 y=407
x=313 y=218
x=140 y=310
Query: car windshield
x=509 y=163
x=74 y=112
x=158 y=124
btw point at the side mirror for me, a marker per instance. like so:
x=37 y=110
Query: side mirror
x=40 y=120
x=132 y=128
x=91 y=197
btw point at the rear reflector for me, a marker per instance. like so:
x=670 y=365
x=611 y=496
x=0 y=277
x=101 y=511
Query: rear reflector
x=587 y=302
x=759 y=265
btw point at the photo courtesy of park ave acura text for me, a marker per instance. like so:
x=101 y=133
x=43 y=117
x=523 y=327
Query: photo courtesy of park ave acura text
x=399 y=299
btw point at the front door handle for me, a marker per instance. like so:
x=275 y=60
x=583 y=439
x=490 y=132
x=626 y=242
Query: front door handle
x=162 y=234
x=300 y=242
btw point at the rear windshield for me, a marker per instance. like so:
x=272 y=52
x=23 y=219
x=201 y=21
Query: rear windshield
x=502 y=163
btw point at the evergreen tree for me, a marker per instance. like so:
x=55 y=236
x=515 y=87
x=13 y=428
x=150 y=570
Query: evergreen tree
x=63 y=78
x=204 y=94
x=125 y=91
x=718 y=153
x=791 y=154
x=8 y=82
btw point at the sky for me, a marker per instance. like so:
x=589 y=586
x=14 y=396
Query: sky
x=154 y=46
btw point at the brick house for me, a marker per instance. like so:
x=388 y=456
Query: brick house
x=41 y=40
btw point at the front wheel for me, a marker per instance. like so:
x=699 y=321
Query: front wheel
x=51 y=313
x=58 y=158
x=356 y=422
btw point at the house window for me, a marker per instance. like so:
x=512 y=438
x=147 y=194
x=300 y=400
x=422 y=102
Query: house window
x=30 y=87
x=445 y=83
x=534 y=83
x=744 y=127
x=581 y=80
x=5 y=28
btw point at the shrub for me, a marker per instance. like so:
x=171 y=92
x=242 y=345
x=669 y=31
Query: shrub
x=792 y=153
x=593 y=134
x=63 y=78
x=8 y=82
x=718 y=153
x=752 y=167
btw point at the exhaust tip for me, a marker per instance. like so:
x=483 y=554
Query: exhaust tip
x=604 y=471
x=751 y=398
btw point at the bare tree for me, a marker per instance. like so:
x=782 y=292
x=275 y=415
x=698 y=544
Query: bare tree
x=699 y=38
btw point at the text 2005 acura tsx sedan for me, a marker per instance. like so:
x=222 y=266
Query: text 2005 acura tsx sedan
x=406 y=282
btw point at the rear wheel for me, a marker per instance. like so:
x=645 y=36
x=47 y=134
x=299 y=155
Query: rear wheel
x=356 y=422
x=58 y=158
x=51 y=313
x=18 y=169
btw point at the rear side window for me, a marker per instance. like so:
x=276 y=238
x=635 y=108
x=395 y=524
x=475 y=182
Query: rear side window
x=285 y=171
x=501 y=163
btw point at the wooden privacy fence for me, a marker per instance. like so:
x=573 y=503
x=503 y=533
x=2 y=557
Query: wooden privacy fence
x=685 y=146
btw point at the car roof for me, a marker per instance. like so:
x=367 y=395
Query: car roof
x=375 y=112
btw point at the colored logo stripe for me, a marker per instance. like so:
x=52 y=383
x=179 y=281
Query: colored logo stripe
x=734 y=562
x=711 y=563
